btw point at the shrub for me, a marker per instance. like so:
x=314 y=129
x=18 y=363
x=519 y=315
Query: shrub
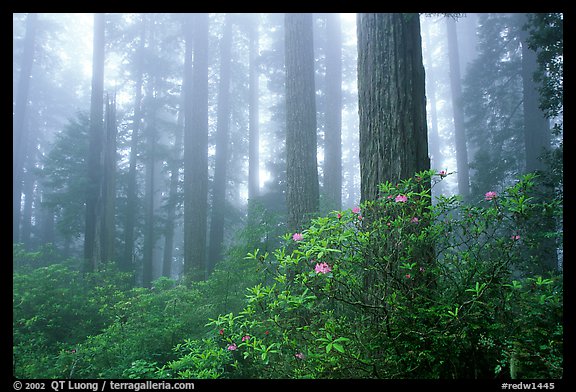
x=404 y=288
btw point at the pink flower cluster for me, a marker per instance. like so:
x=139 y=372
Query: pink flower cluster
x=322 y=268
x=401 y=199
x=297 y=237
x=490 y=195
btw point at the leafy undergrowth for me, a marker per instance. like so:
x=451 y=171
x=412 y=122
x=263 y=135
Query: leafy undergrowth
x=401 y=287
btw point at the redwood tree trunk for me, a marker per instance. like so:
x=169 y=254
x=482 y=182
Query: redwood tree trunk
x=392 y=101
x=302 y=194
x=221 y=159
x=333 y=136
x=196 y=148
x=92 y=256
x=19 y=130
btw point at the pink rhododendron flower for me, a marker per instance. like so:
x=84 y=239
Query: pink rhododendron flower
x=408 y=276
x=442 y=173
x=356 y=210
x=516 y=237
x=245 y=338
x=232 y=347
x=422 y=269
x=221 y=332
x=401 y=199
x=300 y=355
x=322 y=268
x=415 y=220
x=490 y=195
x=339 y=215
x=297 y=237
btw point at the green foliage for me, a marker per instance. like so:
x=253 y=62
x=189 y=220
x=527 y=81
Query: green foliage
x=547 y=39
x=400 y=287
x=63 y=176
x=491 y=98
x=69 y=325
x=54 y=308
x=373 y=292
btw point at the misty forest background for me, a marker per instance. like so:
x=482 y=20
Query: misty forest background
x=288 y=195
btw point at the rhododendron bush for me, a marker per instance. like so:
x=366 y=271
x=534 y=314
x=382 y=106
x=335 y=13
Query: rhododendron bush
x=405 y=287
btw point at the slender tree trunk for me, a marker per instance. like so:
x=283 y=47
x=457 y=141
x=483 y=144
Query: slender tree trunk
x=254 y=132
x=392 y=100
x=27 y=207
x=127 y=263
x=467 y=41
x=463 y=174
x=109 y=183
x=150 y=183
x=92 y=256
x=333 y=133
x=221 y=160
x=434 y=139
x=19 y=129
x=302 y=196
x=196 y=149
x=172 y=199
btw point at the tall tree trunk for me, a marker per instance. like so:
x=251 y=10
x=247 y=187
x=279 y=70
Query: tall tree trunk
x=172 y=198
x=19 y=129
x=221 y=159
x=302 y=194
x=148 y=250
x=433 y=136
x=467 y=41
x=196 y=148
x=150 y=179
x=27 y=207
x=393 y=129
x=92 y=255
x=127 y=263
x=254 y=132
x=392 y=100
x=463 y=174
x=109 y=182
x=333 y=133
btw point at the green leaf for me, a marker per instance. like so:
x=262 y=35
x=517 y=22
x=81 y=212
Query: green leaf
x=338 y=347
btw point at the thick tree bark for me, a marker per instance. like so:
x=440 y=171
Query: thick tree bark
x=392 y=101
x=302 y=194
x=333 y=132
x=19 y=129
x=221 y=159
x=92 y=256
x=196 y=149
x=463 y=173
